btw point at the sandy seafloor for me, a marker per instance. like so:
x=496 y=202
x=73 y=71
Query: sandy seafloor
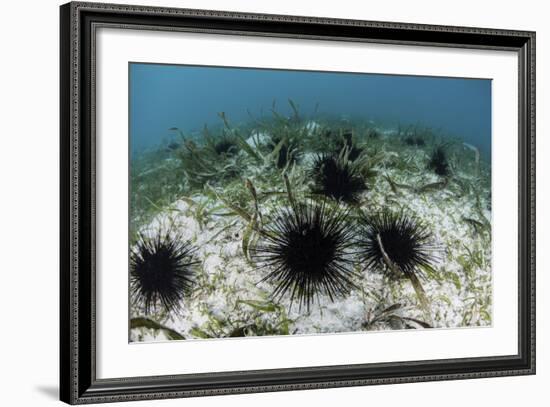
x=230 y=299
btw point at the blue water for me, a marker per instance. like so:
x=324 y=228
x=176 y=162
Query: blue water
x=188 y=97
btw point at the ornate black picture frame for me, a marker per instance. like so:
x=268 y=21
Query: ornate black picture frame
x=78 y=381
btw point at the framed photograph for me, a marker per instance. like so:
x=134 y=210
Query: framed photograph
x=255 y=203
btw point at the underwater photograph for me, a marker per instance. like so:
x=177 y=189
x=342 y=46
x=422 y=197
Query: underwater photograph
x=267 y=202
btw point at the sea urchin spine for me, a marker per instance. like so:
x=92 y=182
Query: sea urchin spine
x=396 y=238
x=348 y=146
x=337 y=178
x=225 y=146
x=399 y=244
x=307 y=249
x=439 y=162
x=161 y=271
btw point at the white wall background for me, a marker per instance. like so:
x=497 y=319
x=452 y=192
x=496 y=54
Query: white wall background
x=29 y=163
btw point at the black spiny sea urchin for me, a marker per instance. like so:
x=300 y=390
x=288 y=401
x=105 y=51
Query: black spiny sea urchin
x=285 y=150
x=337 y=178
x=438 y=162
x=387 y=239
x=346 y=142
x=225 y=146
x=414 y=141
x=161 y=271
x=308 y=251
